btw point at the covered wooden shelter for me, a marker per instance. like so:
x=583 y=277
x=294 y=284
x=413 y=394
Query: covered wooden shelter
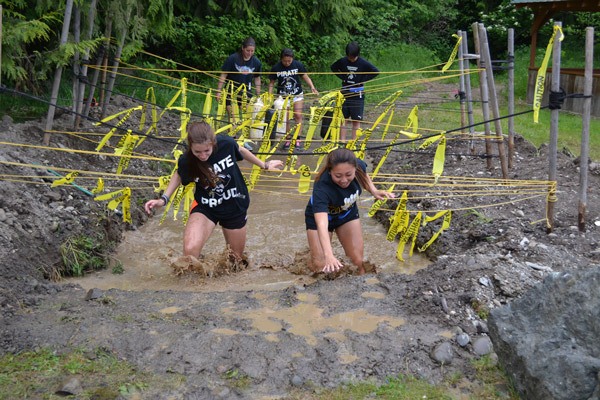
x=571 y=79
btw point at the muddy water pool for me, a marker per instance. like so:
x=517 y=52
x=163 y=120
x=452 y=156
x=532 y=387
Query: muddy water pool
x=276 y=238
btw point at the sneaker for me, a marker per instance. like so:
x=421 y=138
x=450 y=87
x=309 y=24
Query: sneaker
x=248 y=146
x=298 y=144
x=286 y=145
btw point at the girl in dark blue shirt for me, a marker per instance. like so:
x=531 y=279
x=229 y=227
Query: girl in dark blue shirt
x=332 y=208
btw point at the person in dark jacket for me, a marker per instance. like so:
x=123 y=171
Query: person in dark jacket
x=354 y=71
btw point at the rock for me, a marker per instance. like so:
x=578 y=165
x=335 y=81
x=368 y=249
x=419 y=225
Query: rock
x=482 y=346
x=538 y=266
x=297 y=381
x=94 y=294
x=443 y=353
x=463 y=339
x=548 y=338
x=71 y=386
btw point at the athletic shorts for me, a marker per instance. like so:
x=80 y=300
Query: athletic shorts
x=334 y=221
x=236 y=222
x=354 y=107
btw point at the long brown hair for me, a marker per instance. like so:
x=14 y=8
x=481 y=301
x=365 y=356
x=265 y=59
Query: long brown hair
x=201 y=132
x=340 y=156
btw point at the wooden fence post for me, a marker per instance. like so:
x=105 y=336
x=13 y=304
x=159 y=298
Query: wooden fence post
x=585 y=130
x=483 y=88
x=553 y=143
x=493 y=98
x=511 y=96
x=466 y=68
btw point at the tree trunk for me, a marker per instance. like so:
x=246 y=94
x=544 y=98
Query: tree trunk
x=76 y=63
x=100 y=59
x=83 y=82
x=57 y=74
x=113 y=74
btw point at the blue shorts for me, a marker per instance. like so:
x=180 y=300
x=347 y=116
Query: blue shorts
x=236 y=222
x=335 y=221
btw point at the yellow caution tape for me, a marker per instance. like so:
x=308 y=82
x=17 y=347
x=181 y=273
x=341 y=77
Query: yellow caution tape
x=439 y=159
x=99 y=186
x=66 y=180
x=377 y=204
x=541 y=74
x=411 y=232
x=115 y=198
x=453 y=54
x=398 y=221
x=304 y=183
x=447 y=214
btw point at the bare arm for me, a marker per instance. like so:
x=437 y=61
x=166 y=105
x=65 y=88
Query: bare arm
x=310 y=84
x=248 y=156
x=378 y=194
x=332 y=264
x=257 y=84
x=222 y=79
x=171 y=187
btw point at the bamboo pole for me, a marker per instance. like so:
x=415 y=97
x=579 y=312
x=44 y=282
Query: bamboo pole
x=553 y=144
x=483 y=88
x=57 y=74
x=493 y=98
x=511 y=96
x=585 y=130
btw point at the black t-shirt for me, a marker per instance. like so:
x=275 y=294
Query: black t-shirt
x=288 y=78
x=244 y=70
x=347 y=72
x=230 y=197
x=328 y=197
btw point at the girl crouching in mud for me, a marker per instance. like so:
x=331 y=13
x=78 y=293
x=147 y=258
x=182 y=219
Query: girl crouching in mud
x=221 y=195
x=332 y=208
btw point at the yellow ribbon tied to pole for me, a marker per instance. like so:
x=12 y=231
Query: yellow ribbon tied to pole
x=540 y=78
x=453 y=54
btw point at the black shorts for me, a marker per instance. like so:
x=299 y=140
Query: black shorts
x=354 y=106
x=236 y=222
x=335 y=221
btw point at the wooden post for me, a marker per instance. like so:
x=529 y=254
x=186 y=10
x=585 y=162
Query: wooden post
x=511 y=96
x=493 y=97
x=483 y=88
x=585 y=130
x=0 y=44
x=553 y=144
x=57 y=74
x=469 y=94
x=461 y=85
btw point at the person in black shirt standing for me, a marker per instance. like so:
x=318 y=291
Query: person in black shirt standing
x=242 y=67
x=287 y=73
x=221 y=195
x=332 y=208
x=354 y=71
